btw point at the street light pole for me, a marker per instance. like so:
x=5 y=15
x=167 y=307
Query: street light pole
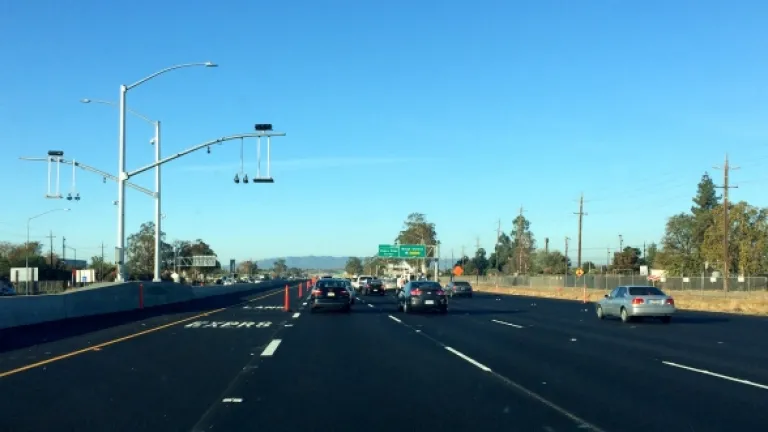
x=26 y=257
x=122 y=174
x=156 y=142
x=158 y=216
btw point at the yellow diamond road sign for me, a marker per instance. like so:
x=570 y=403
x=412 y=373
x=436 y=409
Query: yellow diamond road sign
x=579 y=272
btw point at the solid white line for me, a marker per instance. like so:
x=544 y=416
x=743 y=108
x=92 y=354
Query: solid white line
x=235 y=400
x=469 y=359
x=507 y=324
x=304 y=304
x=395 y=319
x=296 y=315
x=370 y=305
x=714 y=374
x=271 y=348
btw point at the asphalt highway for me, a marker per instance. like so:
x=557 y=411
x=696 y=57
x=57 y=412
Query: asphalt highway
x=493 y=363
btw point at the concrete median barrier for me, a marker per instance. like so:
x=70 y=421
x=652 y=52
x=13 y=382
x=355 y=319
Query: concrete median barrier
x=118 y=297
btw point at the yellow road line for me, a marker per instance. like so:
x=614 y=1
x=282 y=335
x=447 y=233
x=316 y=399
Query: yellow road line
x=125 y=338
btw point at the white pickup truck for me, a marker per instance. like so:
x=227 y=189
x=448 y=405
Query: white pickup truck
x=361 y=278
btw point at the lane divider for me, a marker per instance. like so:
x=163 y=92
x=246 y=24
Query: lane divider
x=469 y=359
x=717 y=375
x=98 y=347
x=269 y=351
x=506 y=323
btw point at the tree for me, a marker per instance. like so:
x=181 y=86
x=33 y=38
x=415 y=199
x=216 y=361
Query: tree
x=480 y=262
x=705 y=202
x=187 y=249
x=141 y=251
x=588 y=266
x=553 y=262
x=417 y=230
x=354 y=266
x=501 y=257
x=679 y=246
x=247 y=267
x=627 y=260
x=650 y=255
x=522 y=244
x=105 y=271
x=279 y=267
x=748 y=239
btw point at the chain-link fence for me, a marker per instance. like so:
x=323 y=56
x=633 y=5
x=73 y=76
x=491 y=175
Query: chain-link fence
x=608 y=282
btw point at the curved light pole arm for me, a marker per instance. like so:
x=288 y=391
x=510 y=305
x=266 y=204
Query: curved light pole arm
x=114 y=104
x=168 y=69
x=85 y=167
x=202 y=146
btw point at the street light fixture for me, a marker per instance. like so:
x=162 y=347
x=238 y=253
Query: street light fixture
x=26 y=258
x=158 y=202
x=122 y=174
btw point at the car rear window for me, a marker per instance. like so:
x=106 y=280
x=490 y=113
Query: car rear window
x=645 y=291
x=330 y=284
x=425 y=285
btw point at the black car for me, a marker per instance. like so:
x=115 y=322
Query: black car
x=422 y=295
x=458 y=289
x=372 y=286
x=331 y=294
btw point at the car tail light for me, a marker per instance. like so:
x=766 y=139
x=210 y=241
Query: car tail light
x=637 y=301
x=344 y=292
x=440 y=292
x=670 y=301
x=317 y=291
x=416 y=292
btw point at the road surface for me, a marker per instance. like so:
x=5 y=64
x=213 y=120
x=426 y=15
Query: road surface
x=494 y=363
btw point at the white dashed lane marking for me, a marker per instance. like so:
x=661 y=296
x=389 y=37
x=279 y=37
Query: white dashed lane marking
x=269 y=351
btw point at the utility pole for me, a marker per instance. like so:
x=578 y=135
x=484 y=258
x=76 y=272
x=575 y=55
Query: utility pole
x=51 y=237
x=496 y=263
x=621 y=243
x=726 y=222
x=581 y=224
x=566 y=254
x=644 y=249
x=519 y=240
x=63 y=248
x=546 y=245
x=607 y=258
x=101 y=271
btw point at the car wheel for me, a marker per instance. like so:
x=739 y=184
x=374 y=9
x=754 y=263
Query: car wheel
x=625 y=316
x=444 y=310
x=348 y=309
x=666 y=319
x=600 y=312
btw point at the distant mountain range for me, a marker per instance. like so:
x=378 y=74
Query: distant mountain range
x=319 y=262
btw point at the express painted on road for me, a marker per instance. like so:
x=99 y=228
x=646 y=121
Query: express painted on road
x=228 y=324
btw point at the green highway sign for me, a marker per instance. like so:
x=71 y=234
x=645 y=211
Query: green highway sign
x=402 y=251
x=413 y=251
x=389 y=251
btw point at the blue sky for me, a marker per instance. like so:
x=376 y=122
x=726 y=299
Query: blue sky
x=460 y=110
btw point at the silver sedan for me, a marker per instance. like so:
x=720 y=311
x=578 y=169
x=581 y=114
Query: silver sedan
x=629 y=302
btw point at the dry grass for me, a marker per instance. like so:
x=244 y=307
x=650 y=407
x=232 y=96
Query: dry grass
x=746 y=303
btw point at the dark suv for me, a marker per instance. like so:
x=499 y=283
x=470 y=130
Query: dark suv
x=372 y=286
x=458 y=289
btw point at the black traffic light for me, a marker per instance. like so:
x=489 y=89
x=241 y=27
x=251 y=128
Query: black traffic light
x=263 y=127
